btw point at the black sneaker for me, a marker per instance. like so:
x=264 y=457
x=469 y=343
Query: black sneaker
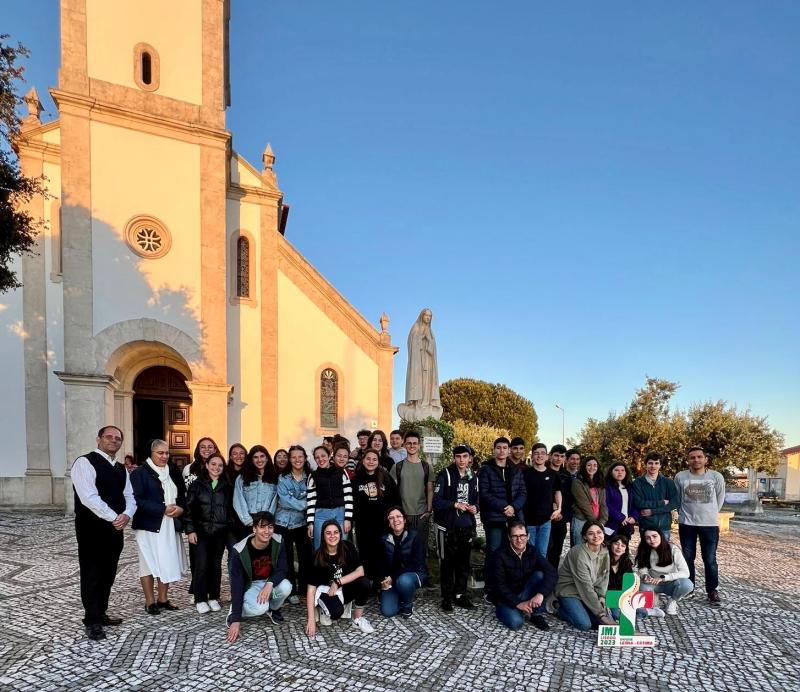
x=276 y=616
x=539 y=622
x=464 y=602
x=406 y=612
x=714 y=598
x=95 y=632
x=447 y=606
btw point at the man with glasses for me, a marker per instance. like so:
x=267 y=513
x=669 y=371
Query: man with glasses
x=521 y=580
x=414 y=479
x=104 y=505
x=543 y=503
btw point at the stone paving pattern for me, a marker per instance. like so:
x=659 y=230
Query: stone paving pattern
x=750 y=643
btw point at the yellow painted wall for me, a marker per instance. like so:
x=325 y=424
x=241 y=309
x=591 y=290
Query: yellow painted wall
x=55 y=325
x=244 y=334
x=173 y=28
x=792 y=491
x=136 y=173
x=242 y=173
x=307 y=339
x=52 y=137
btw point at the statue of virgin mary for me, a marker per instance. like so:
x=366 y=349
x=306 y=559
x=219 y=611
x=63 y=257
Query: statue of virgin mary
x=422 y=373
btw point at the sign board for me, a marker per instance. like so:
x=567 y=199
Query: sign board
x=627 y=600
x=432 y=445
x=733 y=498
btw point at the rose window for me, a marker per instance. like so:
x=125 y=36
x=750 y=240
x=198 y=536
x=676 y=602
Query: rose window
x=148 y=237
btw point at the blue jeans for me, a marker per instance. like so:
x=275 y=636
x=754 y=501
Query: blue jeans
x=539 y=538
x=676 y=589
x=494 y=538
x=513 y=618
x=577 y=525
x=251 y=608
x=321 y=515
x=709 y=539
x=572 y=610
x=401 y=595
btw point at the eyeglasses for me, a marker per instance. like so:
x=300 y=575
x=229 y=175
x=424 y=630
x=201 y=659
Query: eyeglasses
x=517 y=536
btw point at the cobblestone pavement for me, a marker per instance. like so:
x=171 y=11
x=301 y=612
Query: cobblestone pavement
x=750 y=643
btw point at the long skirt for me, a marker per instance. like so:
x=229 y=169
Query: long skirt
x=161 y=553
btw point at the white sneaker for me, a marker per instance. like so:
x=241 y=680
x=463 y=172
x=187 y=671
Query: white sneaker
x=654 y=612
x=324 y=619
x=214 y=605
x=294 y=600
x=203 y=607
x=363 y=624
x=672 y=607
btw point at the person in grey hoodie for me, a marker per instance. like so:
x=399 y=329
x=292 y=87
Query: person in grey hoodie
x=583 y=581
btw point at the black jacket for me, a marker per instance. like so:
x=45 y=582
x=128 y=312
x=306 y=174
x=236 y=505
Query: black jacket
x=445 y=495
x=207 y=510
x=149 y=497
x=410 y=556
x=510 y=573
x=493 y=492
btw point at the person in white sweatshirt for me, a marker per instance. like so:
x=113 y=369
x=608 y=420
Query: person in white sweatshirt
x=663 y=569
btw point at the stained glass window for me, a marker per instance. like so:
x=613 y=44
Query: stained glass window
x=328 y=399
x=243 y=267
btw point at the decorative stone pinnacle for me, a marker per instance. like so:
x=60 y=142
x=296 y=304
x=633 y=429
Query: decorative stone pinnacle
x=268 y=158
x=35 y=107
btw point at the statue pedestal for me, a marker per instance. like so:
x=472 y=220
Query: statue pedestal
x=413 y=412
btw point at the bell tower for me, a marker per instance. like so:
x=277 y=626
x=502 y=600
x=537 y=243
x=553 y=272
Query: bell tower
x=149 y=55
x=142 y=93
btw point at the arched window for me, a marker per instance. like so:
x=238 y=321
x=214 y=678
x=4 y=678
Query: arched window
x=329 y=399
x=242 y=267
x=146 y=67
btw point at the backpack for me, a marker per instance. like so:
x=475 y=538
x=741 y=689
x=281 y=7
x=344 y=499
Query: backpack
x=426 y=470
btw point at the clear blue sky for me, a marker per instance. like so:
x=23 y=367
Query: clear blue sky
x=583 y=194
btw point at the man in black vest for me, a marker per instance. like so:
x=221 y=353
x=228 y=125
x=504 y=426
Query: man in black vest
x=104 y=505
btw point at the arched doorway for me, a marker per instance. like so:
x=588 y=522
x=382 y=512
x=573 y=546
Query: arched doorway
x=162 y=409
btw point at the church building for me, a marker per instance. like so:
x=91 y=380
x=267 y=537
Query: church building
x=163 y=296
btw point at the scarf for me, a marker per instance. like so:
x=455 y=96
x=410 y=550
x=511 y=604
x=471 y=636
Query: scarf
x=167 y=484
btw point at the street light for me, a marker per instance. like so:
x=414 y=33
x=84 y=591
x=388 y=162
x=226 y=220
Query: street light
x=562 y=422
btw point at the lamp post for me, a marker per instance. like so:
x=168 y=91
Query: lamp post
x=562 y=422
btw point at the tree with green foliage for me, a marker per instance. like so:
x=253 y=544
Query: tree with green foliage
x=480 y=437
x=18 y=228
x=484 y=403
x=729 y=437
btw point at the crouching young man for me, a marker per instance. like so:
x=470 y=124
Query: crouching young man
x=258 y=575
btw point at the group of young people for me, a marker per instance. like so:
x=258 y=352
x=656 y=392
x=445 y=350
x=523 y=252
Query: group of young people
x=537 y=504
x=344 y=526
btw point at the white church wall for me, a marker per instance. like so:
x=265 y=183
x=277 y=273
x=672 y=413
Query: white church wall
x=13 y=461
x=307 y=340
x=110 y=54
x=55 y=327
x=244 y=330
x=135 y=173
